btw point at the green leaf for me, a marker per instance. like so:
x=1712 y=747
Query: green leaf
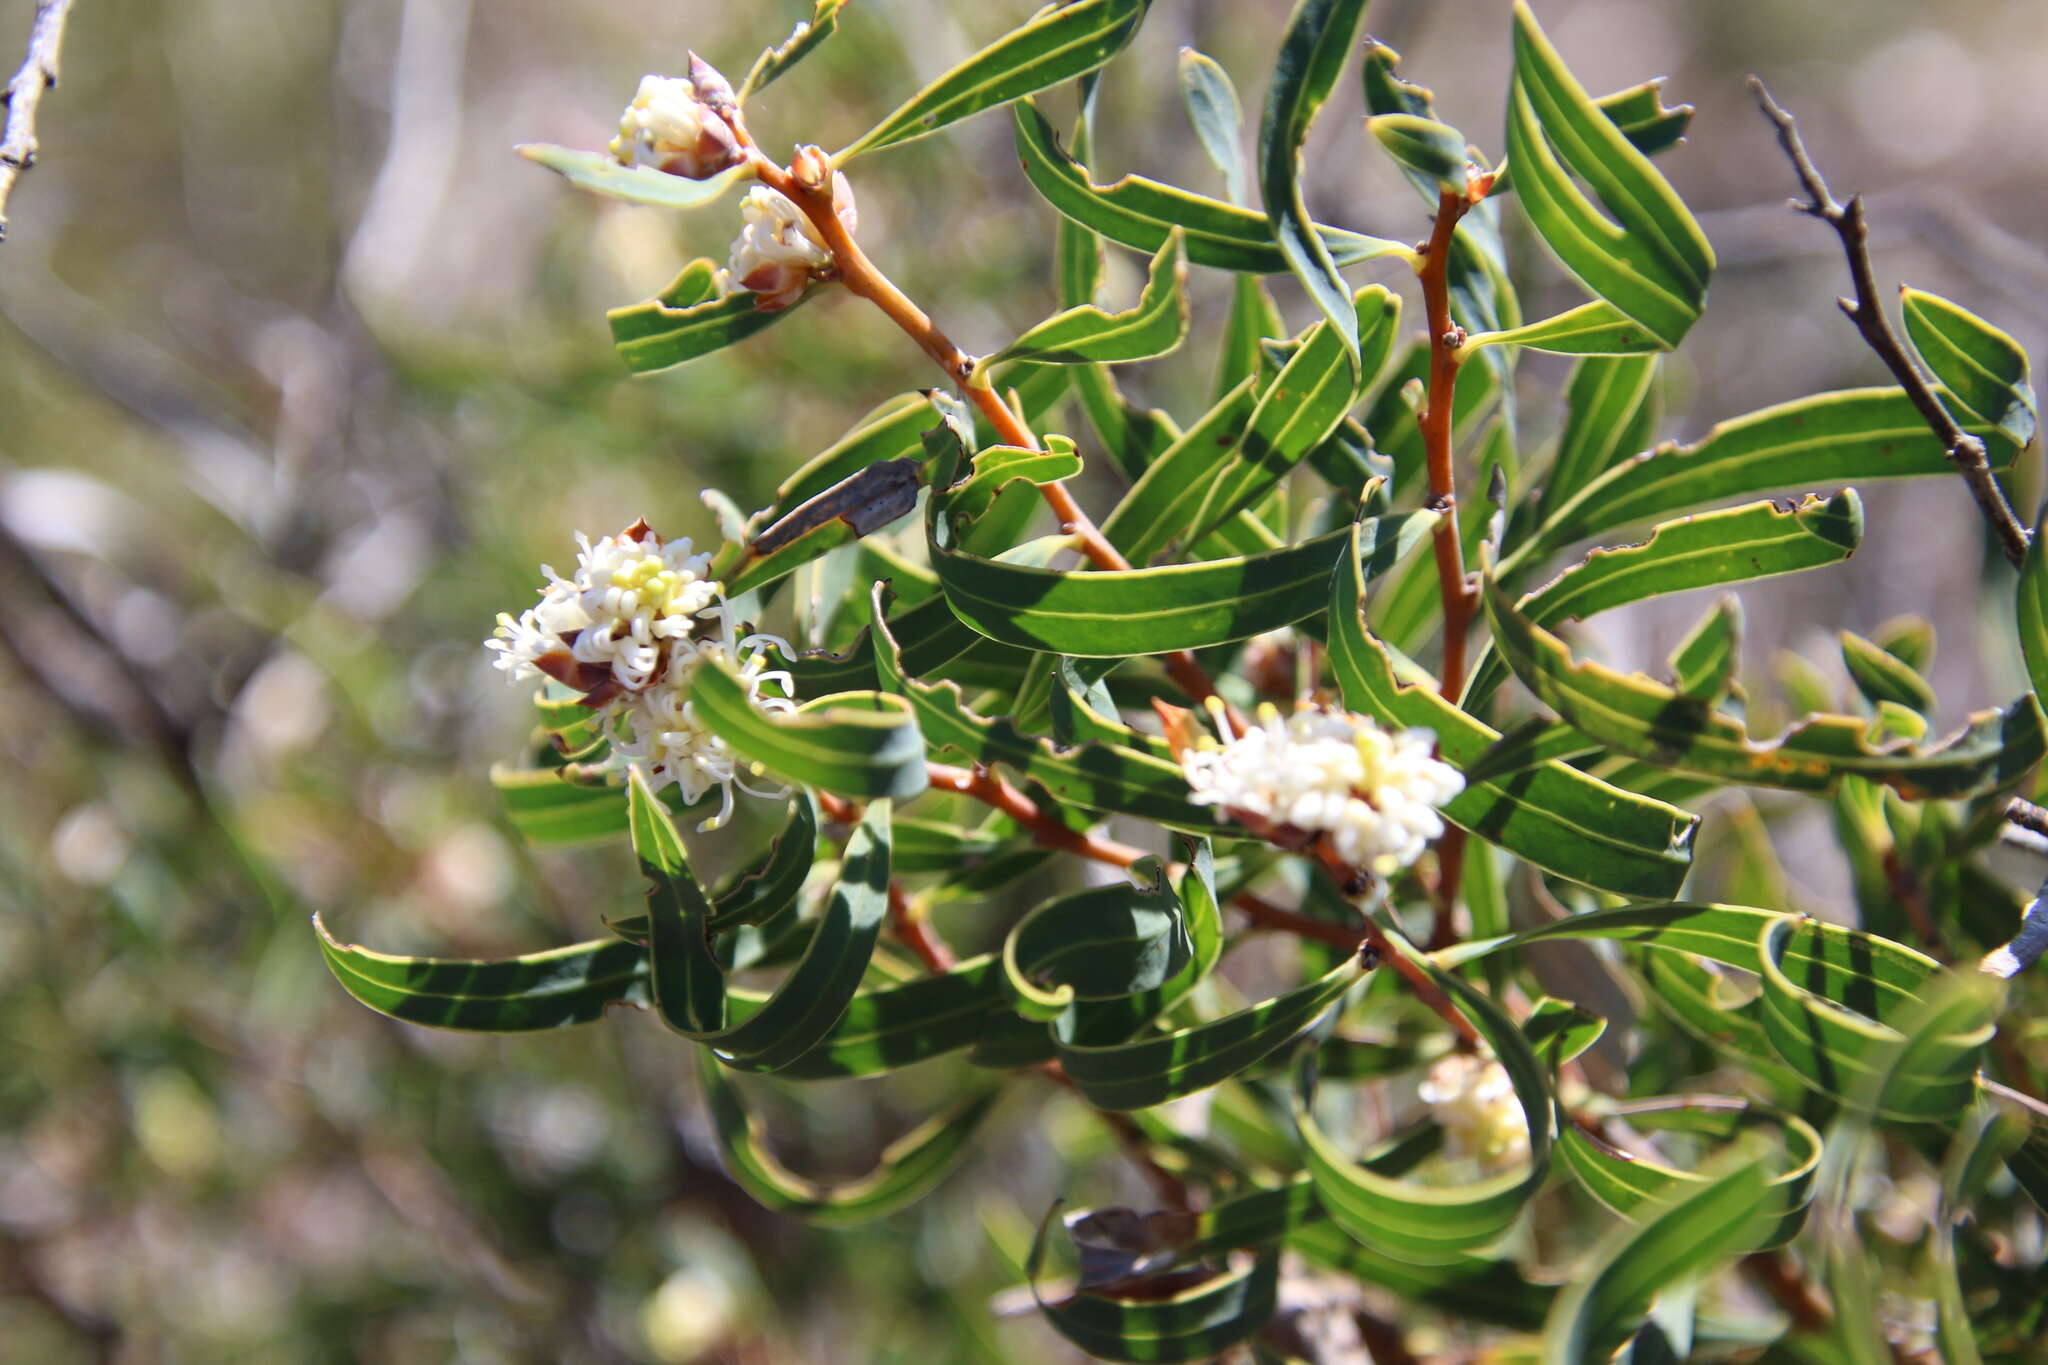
x=1632 y=1184
x=1911 y=1061
x=1139 y=213
x=1114 y=614
x=1882 y=678
x=1163 y=1067
x=598 y=173
x=1827 y=438
x=554 y=989
x=1610 y=410
x=1193 y=1323
x=910 y=1168
x=1703 y=664
x=1734 y=545
x=1056 y=45
x=1644 y=119
x=1556 y=817
x=1313 y=50
x=1154 y=326
x=1596 y=328
x=859 y=744
x=1838 y=1006
x=1217 y=117
x=997 y=467
x=1983 y=369
x=890 y=1027
x=1648 y=720
x=1300 y=409
x=689 y=989
x=1423 y=1222
x=1101 y=944
x=551 y=811
x=802 y=41
x=765 y=889
x=2031 y=607
x=1254 y=318
x=1650 y=260
x=1424 y=146
x=1100 y=777
x=1604 y=1303
x=687 y=320
x=1470 y=1287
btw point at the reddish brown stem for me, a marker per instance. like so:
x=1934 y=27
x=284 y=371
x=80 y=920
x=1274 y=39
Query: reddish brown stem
x=915 y=931
x=1438 y=442
x=862 y=278
x=985 y=787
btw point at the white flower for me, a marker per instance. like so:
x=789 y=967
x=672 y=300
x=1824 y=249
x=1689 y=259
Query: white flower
x=779 y=249
x=1374 y=794
x=668 y=127
x=629 y=631
x=1474 y=1102
x=630 y=594
x=657 y=731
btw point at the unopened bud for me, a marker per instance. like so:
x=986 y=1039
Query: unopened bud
x=712 y=87
x=668 y=127
x=811 y=167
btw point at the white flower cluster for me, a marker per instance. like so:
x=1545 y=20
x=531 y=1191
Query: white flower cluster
x=779 y=249
x=670 y=127
x=629 y=630
x=1373 y=794
x=1474 y=1102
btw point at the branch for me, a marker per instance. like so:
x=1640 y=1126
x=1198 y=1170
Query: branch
x=25 y=92
x=1964 y=451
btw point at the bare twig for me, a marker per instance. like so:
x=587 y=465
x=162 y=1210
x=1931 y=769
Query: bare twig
x=25 y=92
x=1964 y=451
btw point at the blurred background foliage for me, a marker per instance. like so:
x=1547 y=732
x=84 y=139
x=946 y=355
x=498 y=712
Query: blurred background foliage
x=302 y=372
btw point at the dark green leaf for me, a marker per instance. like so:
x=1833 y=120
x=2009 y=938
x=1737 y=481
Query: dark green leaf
x=855 y=743
x=1313 y=50
x=1058 y=44
x=1983 y=369
x=687 y=320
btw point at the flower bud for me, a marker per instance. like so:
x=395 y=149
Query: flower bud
x=779 y=250
x=712 y=87
x=669 y=127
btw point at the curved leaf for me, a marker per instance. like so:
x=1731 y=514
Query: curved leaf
x=1983 y=369
x=1425 y=1223
x=1827 y=438
x=1139 y=213
x=1153 y=1070
x=1652 y=264
x=803 y=39
x=1154 y=326
x=600 y=174
x=856 y=743
x=909 y=1169
x=555 y=989
x=1556 y=817
x=1105 y=943
x=688 y=986
x=1606 y=1302
x=1313 y=50
x=1630 y=1183
x=1423 y=145
x=1113 y=614
x=1056 y=45
x=1217 y=117
x=687 y=320
x=1610 y=406
x=1648 y=720
x=1596 y=328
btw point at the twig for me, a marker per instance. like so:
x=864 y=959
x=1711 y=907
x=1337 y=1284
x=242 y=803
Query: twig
x=25 y=92
x=1454 y=587
x=1779 y=1276
x=1964 y=451
x=915 y=931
